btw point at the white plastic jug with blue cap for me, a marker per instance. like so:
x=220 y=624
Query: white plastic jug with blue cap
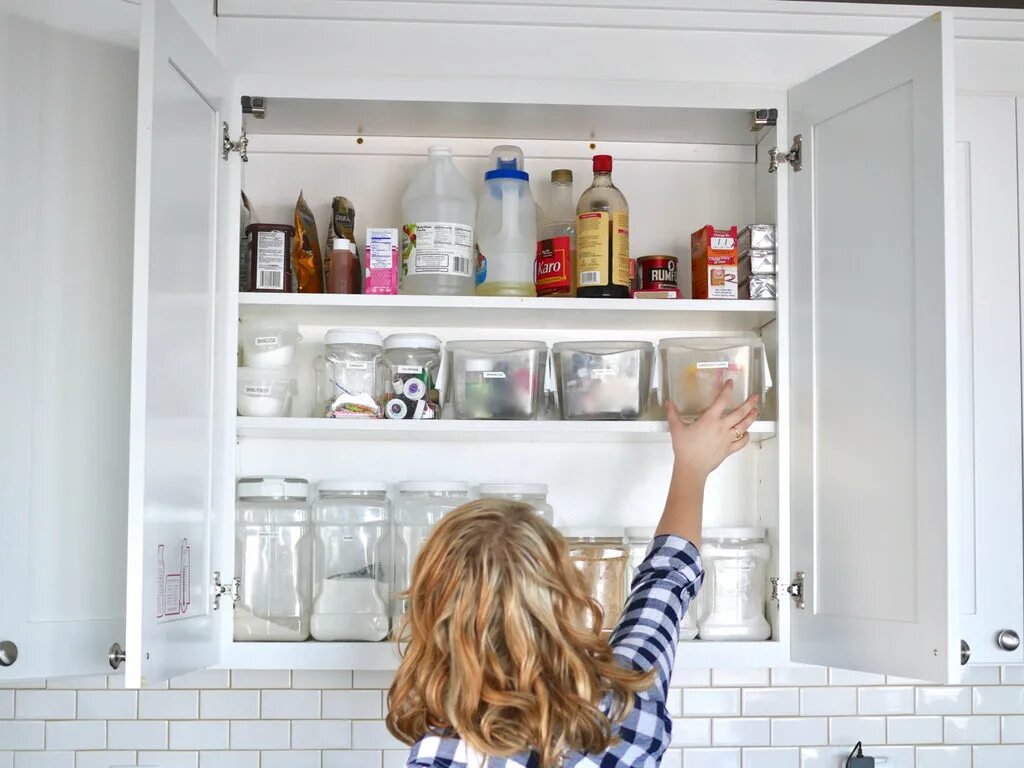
x=506 y=228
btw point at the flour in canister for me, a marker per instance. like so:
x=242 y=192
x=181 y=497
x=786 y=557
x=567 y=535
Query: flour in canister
x=249 y=626
x=350 y=609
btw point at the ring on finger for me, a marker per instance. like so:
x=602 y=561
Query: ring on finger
x=737 y=435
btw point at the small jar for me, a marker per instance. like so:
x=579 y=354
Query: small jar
x=412 y=362
x=272 y=559
x=350 y=375
x=352 y=563
x=735 y=561
x=639 y=541
x=418 y=507
x=267 y=344
x=602 y=557
x=533 y=494
x=265 y=392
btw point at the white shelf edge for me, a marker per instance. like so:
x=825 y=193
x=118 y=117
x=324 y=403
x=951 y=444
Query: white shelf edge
x=445 y=429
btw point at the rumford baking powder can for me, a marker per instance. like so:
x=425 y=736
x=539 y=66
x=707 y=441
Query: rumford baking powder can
x=657 y=273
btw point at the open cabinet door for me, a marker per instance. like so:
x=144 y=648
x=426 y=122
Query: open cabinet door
x=877 y=318
x=177 y=413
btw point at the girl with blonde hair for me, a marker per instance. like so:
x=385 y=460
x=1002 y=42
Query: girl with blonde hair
x=505 y=665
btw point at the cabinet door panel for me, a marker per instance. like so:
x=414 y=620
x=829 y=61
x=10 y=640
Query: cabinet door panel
x=875 y=317
x=177 y=413
x=991 y=544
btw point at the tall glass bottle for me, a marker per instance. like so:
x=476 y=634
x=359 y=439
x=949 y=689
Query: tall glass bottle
x=602 y=237
x=556 y=249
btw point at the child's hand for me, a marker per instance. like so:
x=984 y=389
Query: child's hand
x=701 y=446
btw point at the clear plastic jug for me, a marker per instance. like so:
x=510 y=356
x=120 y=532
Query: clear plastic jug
x=506 y=228
x=438 y=216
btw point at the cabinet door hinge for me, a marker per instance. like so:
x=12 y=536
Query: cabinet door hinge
x=219 y=590
x=763 y=118
x=241 y=146
x=794 y=157
x=794 y=590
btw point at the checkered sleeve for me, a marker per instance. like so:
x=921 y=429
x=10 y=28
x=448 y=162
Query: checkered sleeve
x=646 y=636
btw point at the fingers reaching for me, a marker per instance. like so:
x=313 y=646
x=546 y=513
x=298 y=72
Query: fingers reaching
x=744 y=410
x=722 y=401
x=739 y=445
x=742 y=426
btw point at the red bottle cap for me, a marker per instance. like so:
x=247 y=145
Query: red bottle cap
x=602 y=163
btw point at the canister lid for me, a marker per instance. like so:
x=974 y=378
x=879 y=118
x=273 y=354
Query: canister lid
x=594 y=532
x=412 y=341
x=755 y=534
x=513 y=489
x=640 y=534
x=352 y=486
x=353 y=336
x=433 y=486
x=272 y=488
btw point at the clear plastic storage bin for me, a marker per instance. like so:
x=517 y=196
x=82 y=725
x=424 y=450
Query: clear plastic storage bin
x=602 y=557
x=265 y=392
x=604 y=380
x=412 y=362
x=497 y=379
x=272 y=559
x=693 y=371
x=418 y=507
x=268 y=345
x=350 y=375
x=352 y=562
x=735 y=561
x=534 y=494
x=639 y=541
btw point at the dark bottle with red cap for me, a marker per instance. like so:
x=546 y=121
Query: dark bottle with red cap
x=602 y=237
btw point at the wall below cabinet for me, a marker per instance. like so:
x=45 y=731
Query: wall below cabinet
x=754 y=718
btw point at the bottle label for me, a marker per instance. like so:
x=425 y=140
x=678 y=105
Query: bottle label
x=270 y=261
x=592 y=234
x=620 y=248
x=553 y=265
x=437 y=248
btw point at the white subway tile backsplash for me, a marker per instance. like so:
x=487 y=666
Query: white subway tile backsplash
x=77 y=683
x=771 y=757
x=6 y=704
x=886 y=701
x=774 y=702
x=714 y=702
x=799 y=731
x=6 y=759
x=1013 y=675
x=352 y=705
x=944 y=757
x=672 y=758
x=691 y=732
x=290 y=705
x=998 y=700
x=260 y=734
x=23 y=684
x=372 y=679
x=135 y=734
x=690 y=678
x=260 y=678
x=976 y=674
x=740 y=678
x=1007 y=756
x=971 y=730
x=1013 y=729
x=204 y=678
x=105 y=759
x=850 y=730
x=828 y=701
x=740 y=732
x=198 y=734
x=823 y=757
x=711 y=758
x=895 y=757
x=838 y=676
x=291 y=758
x=352 y=758
x=42 y=705
x=799 y=675
x=229 y=759
x=168 y=705
x=227 y=705
x=370 y=734
x=329 y=734
x=937 y=700
x=673 y=702
x=76 y=734
x=915 y=730
x=321 y=679
x=44 y=759
x=22 y=734
x=394 y=758
x=107 y=705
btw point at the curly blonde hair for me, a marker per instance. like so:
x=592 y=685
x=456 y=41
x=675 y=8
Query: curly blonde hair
x=504 y=647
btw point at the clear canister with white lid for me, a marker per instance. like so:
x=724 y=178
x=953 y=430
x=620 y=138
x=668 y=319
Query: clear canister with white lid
x=350 y=374
x=268 y=344
x=413 y=362
x=419 y=506
x=265 y=392
x=272 y=559
x=533 y=494
x=735 y=563
x=639 y=542
x=602 y=556
x=352 y=562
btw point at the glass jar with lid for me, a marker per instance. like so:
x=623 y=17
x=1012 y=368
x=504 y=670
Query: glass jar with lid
x=602 y=557
x=639 y=542
x=735 y=564
x=272 y=559
x=412 y=363
x=350 y=374
x=418 y=507
x=352 y=563
x=534 y=494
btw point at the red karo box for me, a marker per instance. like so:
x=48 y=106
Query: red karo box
x=715 y=263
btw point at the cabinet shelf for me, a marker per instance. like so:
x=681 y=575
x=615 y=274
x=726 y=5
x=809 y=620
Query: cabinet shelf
x=493 y=312
x=452 y=431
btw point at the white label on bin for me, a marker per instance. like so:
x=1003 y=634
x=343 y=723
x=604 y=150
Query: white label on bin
x=704 y=364
x=409 y=369
x=265 y=341
x=356 y=365
x=494 y=374
x=600 y=373
x=256 y=389
x=722 y=243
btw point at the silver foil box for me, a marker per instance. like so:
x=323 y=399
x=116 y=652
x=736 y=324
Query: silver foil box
x=756 y=236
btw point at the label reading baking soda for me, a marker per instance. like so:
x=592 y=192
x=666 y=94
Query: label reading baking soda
x=437 y=248
x=552 y=268
x=602 y=241
x=256 y=389
x=266 y=341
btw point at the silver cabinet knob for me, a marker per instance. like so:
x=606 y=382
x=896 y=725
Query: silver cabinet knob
x=965 y=653
x=1008 y=640
x=116 y=656
x=8 y=653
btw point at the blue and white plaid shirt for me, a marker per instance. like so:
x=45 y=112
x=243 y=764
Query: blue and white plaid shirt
x=646 y=637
